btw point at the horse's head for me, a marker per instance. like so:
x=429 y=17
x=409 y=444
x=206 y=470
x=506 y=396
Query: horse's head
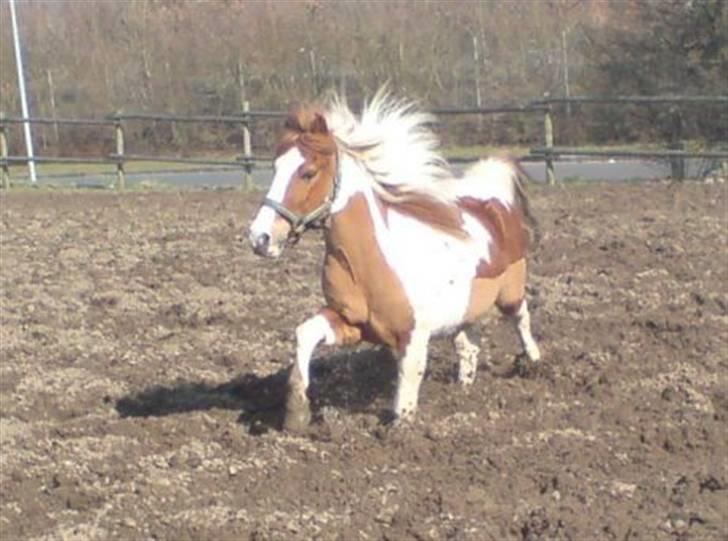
x=304 y=183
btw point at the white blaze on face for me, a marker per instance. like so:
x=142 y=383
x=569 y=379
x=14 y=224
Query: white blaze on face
x=262 y=227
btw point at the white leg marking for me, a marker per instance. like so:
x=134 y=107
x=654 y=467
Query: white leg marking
x=411 y=371
x=308 y=335
x=467 y=353
x=523 y=324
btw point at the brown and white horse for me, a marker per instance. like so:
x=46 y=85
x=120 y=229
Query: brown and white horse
x=412 y=252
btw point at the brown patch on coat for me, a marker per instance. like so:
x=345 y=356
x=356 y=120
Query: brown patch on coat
x=306 y=129
x=506 y=229
x=441 y=215
x=345 y=333
x=358 y=283
x=502 y=279
x=304 y=195
x=506 y=290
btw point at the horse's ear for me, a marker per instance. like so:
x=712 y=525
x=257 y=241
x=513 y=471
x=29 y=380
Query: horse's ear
x=319 y=124
x=293 y=122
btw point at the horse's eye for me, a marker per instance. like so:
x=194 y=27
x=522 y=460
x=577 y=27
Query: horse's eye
x=308 y=175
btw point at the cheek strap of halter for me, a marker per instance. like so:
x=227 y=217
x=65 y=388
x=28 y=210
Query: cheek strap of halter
x=315 y=218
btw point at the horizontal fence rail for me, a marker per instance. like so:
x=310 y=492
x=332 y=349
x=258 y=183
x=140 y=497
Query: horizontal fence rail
x=636 y=100
x=222 y=119
x=12 y=160
x=566 y=151
x=72 y=121
x=536 y=108
x=548 y=152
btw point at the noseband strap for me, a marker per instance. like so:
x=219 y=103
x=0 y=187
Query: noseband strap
x=315 y=218
x=300 y=223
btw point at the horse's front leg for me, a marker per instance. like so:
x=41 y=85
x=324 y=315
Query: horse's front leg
x=326 y=326
x=412 y=364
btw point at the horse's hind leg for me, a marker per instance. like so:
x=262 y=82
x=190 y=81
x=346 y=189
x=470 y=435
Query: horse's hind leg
x=412 y=364
x=522 y=320
x=467 y=354
x=512 y=302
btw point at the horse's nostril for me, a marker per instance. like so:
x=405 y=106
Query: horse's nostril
x=261 y=243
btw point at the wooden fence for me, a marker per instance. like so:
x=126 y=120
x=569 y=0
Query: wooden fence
x=247 y=161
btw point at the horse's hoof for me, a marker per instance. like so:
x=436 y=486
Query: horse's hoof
x=297 y=420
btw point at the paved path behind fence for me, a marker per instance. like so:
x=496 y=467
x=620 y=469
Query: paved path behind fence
x=612 y=170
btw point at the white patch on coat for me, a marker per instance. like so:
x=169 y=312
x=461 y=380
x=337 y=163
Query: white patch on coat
x=284 y=167
x=436 y=269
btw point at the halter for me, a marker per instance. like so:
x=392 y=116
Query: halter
x=314 y=219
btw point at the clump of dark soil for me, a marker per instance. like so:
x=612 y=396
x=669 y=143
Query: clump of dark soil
x=145 y=349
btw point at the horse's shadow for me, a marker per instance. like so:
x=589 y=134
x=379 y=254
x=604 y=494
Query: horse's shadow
x=352 y=381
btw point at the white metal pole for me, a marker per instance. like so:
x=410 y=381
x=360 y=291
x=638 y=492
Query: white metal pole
x=23 y=97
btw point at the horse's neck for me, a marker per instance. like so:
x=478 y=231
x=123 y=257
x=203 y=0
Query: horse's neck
x=357 y=223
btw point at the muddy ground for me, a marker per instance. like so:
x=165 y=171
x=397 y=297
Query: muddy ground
x=144 y=348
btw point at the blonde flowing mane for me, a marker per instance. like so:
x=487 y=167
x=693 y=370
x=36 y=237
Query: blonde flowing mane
x=393 y=142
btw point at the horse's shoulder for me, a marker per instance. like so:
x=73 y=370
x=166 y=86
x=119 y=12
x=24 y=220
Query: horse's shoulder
x=341 y=289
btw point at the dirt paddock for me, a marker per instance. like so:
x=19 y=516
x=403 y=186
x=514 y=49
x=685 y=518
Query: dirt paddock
x=144 y=350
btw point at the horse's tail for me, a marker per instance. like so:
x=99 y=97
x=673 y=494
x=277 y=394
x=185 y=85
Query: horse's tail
x=520 y=179
x=507 y=182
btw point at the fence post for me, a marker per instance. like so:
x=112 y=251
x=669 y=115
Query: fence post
x=4 y=153
x=119 y=135
x=247 y=147
x=548 y=139
x=677 y=163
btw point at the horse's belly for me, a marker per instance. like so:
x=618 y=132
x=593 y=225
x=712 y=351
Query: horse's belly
x=441 y=308
x=438 y=285
x=437 y=270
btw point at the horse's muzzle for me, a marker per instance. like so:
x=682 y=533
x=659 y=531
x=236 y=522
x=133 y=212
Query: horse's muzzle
x=262 y=246
x=260 y=243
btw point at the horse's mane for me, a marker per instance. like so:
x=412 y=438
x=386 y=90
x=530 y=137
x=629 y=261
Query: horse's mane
x=391 y=139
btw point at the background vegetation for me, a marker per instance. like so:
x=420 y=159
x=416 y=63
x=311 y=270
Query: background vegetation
x=92 y=58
